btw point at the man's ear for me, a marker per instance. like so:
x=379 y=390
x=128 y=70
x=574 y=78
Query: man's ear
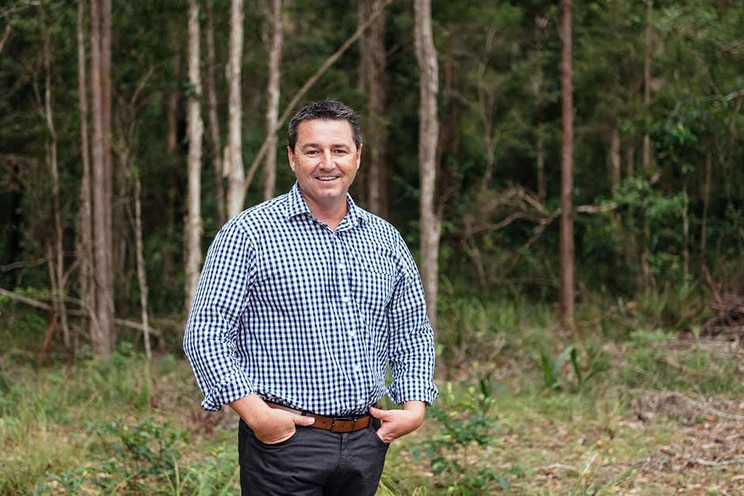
x=291 y=158
x=359 y=156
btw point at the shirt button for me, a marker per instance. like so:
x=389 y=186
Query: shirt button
x=341 y=266
x=352 y=333
x=357 y=368
x=345 y=299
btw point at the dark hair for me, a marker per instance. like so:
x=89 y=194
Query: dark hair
x=327 y=110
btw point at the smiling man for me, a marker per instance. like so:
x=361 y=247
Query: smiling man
x=304 y=303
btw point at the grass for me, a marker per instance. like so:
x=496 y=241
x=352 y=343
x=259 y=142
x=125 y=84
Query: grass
x=626 y=406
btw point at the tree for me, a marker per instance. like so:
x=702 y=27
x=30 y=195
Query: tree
x=273 y=92
x=567 y=150
x=234 y=152
x=55 y=248
x=195 y=133
x=210 y=93
x=103 y=332
x=372 y=82
x=426 y=56
x=84 y=247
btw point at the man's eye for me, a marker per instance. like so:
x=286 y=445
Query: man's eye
x=311 y=153
x=340 y=152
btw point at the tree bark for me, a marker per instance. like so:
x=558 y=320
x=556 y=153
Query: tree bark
x=372 y=69
x=273 y=92
x=234 y=151
x=567 y=151
x=646 y=150
x=103 y=337
x=613 y=158
x=426 y=57
x=85 y=231
x=56 y=246
x=215 y=141
x=141 y=270
x=171 y=140
x=195 y=130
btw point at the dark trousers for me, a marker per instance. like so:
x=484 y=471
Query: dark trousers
x=313 y=462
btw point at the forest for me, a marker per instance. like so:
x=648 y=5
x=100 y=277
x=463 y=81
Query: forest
x=569 y=177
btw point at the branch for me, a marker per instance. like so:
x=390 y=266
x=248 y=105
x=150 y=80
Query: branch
x=708 y=463
x=5 y=37
x=308 y=84
x=78 y=313
x=735 y=95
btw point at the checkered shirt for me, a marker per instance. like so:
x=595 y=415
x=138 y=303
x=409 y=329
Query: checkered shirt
x=309 y=317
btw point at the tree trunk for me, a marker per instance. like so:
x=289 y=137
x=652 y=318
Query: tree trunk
x=56 y=246
x=103 y=337
x=567 y=151
x=706 y=204
x=273 y=92
x=85 y=218
x=172 y=107
x=215 y=141
x=613 y=158
x=541 y=24
x=428 y=140
x=372 y=69
x=646 y=158
x=141 y=272
x=234 y=151
x=195 y=130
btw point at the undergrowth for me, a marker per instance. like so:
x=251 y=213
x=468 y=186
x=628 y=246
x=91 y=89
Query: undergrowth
x=522 y=410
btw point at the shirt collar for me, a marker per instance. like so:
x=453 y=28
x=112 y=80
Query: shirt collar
x=296 y=205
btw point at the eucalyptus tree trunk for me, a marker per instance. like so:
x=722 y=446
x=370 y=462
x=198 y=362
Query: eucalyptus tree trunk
x=210 y=94
x=195 y=131
x=613 y=157
x=234 y=150
x=646 y=150
x=567 y=152
x=55 y=248
x=541 y=24
x=171 y=140
x=84 y=249
x=141 y=270
x=273 y=92
x=372 y=69
x=103 y=332
x=426 y=56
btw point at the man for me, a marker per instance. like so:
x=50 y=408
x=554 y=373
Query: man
x=303 y=303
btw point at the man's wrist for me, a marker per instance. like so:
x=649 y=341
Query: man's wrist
x=252 y=409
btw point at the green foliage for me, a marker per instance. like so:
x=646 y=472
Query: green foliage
x=553 y=370
x=467 y=423
x=500 y=117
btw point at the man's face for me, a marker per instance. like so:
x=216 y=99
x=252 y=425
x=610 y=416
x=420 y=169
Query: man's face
x=325 y=161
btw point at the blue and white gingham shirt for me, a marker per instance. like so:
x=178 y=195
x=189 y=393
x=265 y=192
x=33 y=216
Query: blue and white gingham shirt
x=310 y=317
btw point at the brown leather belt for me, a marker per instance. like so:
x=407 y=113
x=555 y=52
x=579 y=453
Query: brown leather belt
x=333 y=424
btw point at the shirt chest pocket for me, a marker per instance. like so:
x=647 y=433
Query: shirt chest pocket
x=373 y=286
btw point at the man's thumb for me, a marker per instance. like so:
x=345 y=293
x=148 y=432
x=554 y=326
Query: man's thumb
x=376 y=412
x=304 y=420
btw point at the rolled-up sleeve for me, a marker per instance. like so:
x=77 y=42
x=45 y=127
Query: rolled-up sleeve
x=411 y=338
x=215 y=318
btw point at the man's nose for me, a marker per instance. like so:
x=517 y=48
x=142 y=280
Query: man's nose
x=327 y=159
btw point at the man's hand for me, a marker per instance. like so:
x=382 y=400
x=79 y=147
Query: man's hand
x=398 y=423
x=270 y=425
